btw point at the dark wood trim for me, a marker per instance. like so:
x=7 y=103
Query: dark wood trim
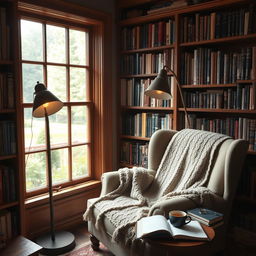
x=102 y=142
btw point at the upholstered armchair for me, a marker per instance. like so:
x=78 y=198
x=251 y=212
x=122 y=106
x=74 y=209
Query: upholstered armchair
x=223 y=181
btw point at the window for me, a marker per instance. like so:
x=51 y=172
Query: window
x=58 y=56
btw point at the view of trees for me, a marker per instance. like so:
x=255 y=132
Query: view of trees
x=57 y=83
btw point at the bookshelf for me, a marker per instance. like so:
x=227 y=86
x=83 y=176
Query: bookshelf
x=211 y=47
x=9 y=173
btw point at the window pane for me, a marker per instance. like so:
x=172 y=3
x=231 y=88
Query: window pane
x=78 y=84
x=59 y=165
x=59 y=127
x=56 y=44
x=79 y=123
x=57 y=81
x=31 y=40
x=35 y=171
x=37 y=133
x=77 y=41
x=30 y=75
x=80 y=161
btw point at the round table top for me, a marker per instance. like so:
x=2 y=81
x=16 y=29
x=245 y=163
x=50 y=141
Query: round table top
x=186 y=243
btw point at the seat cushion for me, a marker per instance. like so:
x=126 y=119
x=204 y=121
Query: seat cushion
x=108 y=225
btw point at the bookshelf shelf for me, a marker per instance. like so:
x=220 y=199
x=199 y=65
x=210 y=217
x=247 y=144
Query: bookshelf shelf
x=220 y=110
x=159 y=48
x=6 y=62
x=134 y=138
x=8 y=205
x=123 y=164
x=139 y=76
x=153 y=75
x=222 y=41
x=6 y=111
x=203 y=86
x=147 y=108
x=250 y=152
x=7 y=157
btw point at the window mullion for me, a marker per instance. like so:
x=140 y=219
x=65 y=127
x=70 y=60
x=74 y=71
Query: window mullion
x=69 y=107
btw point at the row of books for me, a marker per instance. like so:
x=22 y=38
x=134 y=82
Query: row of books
x=134 y=153
x=8 y=191
x=4 y=35
x=145 y=124
x=247 y=182
x=148 y=35
x=238 y=128
x=220 y=24
x=210 y=66
x=242 y=97
x=7 y=138
x=6 y=91
x=133 y=94
x=8 y=226
x=146 y=63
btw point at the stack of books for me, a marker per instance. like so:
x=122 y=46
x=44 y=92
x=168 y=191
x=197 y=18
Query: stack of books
x=206 y=216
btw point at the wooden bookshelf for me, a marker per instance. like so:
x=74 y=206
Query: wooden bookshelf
x=238 y=45
x=10 y=207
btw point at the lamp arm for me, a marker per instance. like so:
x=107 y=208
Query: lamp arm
x=180 y=91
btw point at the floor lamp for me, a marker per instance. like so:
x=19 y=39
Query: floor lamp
x=56 y=242
x=160 y=88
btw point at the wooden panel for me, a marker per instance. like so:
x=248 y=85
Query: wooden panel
x=68 y=212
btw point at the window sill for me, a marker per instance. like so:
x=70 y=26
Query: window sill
x=63 y=193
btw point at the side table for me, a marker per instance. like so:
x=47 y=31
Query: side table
x=21 y=246
x=180 y=247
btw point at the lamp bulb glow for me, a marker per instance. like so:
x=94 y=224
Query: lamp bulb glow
x=45 y=105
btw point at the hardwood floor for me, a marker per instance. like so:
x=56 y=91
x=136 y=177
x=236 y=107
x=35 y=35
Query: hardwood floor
x=82 y=237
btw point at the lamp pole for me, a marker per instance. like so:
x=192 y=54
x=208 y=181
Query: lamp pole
x=54 y=242
x=49 y=169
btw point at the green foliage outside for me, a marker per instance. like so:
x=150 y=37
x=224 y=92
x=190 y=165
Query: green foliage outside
x=31 y=33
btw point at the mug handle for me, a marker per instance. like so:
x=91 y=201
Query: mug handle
x=188 y=219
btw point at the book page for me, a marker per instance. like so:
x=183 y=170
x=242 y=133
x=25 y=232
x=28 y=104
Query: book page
x=151 y=224
x=192 y=230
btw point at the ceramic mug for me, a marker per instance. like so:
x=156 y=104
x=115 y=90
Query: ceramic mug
x=179 y=218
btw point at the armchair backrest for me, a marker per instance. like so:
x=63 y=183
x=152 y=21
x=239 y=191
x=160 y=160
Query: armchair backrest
x=226 y=169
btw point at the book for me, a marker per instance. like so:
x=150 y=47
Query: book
x=206 y=215
x=158 y=226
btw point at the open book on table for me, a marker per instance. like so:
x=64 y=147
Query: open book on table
x=158 y=226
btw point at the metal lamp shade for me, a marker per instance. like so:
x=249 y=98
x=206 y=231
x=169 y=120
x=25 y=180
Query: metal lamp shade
x=45 y=100
x=160 y=88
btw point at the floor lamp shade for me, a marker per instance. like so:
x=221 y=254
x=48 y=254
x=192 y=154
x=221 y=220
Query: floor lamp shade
x=45 y=101
x=159 y=88
x=53 y=243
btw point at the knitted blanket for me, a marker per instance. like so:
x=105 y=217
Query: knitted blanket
x=184 y=171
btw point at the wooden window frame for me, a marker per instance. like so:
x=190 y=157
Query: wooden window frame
x=101 y=95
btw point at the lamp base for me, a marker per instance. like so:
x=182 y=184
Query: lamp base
x=64 y=242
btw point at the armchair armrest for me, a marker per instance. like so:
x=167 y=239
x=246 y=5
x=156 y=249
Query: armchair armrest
x=176 y=203
x=217 y=203
x=110 y=181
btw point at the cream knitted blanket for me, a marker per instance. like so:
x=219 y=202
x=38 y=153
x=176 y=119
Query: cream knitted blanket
x=184 y=171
